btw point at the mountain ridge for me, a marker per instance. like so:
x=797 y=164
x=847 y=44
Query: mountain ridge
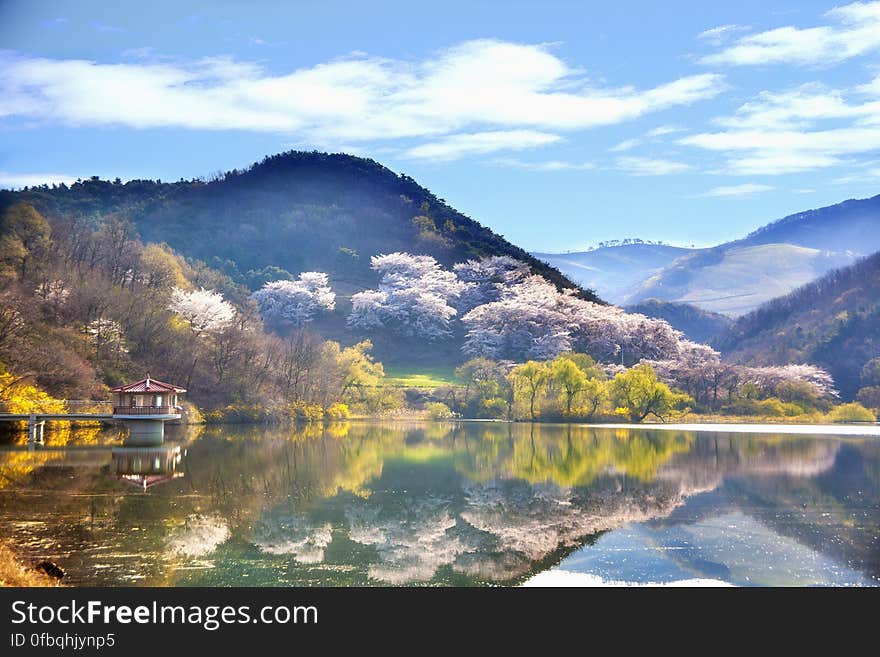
x=737 y=276
x=833 y=321
x=294 y=211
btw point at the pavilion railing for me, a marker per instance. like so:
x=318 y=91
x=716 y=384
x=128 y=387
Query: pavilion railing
x=146 y=410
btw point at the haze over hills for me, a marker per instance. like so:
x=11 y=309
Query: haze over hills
x=833 y=322
x=697 y=324
x=619 y=269
x=736 y=277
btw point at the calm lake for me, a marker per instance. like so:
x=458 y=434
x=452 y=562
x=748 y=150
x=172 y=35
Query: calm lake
x=447 y=504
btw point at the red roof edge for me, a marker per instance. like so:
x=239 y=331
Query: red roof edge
x=148 y=385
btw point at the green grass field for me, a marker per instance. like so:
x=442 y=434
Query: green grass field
x=420 y=377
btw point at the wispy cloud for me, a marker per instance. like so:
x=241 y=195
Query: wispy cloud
x=851 y=30
x=801 y=129
x=871 y=175
x=476 y=86
x=546 y=165
x=662 y=130
x=11 y=180
x=625 y=145
x=646 y=166
x=144 y=52
x=718 y=35
x=746 y=189
x=454 y=147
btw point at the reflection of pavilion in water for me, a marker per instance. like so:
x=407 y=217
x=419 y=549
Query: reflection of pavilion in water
x=146 y=466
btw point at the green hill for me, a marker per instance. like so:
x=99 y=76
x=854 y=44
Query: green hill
x=833 y=322
x=297 y=211
x=697 y=324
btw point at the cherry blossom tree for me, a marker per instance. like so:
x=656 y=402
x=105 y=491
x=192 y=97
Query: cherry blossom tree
x=204 y=310
x=416 y=297
x=698 y=370
x=295 y=303
x=487 y=278
x=767 y=378
x=532 y=319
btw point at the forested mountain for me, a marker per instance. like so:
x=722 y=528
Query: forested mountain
x=615 y=269
x=697 y=324
x=293 y=212
x=833 y=322
x=736 y=277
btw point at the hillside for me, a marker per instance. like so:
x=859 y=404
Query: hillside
x=736 y=277
x=297 y=211
x=697 y=324
x=848 y=226
x=833 y=322
x=615 y=272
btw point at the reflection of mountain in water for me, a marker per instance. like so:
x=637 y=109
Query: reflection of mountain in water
x=433 y=503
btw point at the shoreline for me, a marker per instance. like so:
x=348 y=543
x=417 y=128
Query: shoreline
x=867 y=429
x=740 y=427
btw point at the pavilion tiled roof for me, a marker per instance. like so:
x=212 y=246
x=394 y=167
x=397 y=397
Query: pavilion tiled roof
x=148 y=385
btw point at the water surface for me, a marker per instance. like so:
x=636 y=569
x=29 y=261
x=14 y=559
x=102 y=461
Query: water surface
x=449 y=504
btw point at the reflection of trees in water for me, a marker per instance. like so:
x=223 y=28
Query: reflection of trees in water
x=836 y=512
x=716 y=456
x=421 y=502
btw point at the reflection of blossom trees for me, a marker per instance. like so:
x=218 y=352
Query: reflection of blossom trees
x=413 y=543
x=198 y=536
x=293 y=534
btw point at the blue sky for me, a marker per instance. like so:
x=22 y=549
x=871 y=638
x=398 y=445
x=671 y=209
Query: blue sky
x=557 y=124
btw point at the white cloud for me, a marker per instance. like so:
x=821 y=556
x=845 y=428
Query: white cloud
x=11 y=180
x=745 y=189
x=480 y=143
x=851 y=30
x=662 y=130
x=625 y=145
x=801 y=129
x=547 y=165
x=718 y=35
x=800 y=107
x=777 y=163
x=474 y=87
x=867 y=176
x=646 y=166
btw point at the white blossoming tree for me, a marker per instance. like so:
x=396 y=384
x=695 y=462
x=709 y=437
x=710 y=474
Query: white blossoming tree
x=298 y=302
x=532 y=319
x=487 y=278
x=416 y=297
x=205 y=311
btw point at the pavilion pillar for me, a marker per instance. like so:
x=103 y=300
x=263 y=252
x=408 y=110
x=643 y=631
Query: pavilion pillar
x=144 y=433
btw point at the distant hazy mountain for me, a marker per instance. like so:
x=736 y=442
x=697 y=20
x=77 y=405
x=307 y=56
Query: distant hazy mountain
x=616 y=270
x=736 y=277
x=833 y=322
x=697 y=324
